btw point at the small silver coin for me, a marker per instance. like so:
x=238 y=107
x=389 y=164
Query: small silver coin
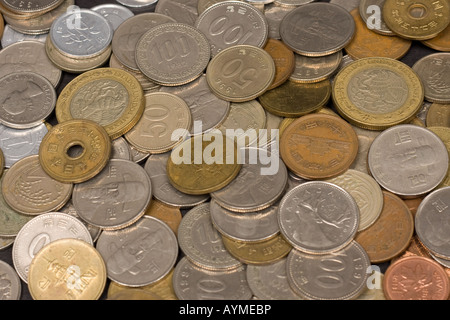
x=11 y=36
x=10 y=287
x=114 y=13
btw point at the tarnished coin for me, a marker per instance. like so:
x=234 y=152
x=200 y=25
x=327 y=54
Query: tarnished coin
x=67 y=269
x=182 y=11
x=11 y=285
x=441 y=42
x=311 y=275
x=433 y=70
x=408 y=160
x=114 y=13
x=438 y=115
x=229 y=285
x=11 y=36
x=227 y=24
x=116 y=198
x=318 y=217
x=27 y=189
x=28 y=99
x=367 y=9
x=141 y=254
x=416 y=20
x=319 y=146
x=391 y=234
x=284 y=60
x=201 y=243
x=173 y=54
x=377 y=93
x=39 y=232
x=110 y=97
x=241 y=73
x=57 y=159
x=315 y=69
x=165 y=122
x=170 y=215
x=317 y=29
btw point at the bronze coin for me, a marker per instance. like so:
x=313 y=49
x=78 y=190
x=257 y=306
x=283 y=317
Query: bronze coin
x=284 y=59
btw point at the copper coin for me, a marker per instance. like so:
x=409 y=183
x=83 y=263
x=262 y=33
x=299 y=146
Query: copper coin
x=415 y=248
x=168 y=214
x=413 y=204
x=391 y=234
x=416 y=278
x=319 y=146
x=284 y=59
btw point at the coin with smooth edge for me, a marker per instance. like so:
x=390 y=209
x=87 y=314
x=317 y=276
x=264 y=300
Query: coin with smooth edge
x=55 y=157
x=155 y=258
x=71 y=269
x=11 y=285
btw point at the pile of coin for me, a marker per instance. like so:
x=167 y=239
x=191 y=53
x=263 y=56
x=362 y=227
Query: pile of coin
x=276 y=150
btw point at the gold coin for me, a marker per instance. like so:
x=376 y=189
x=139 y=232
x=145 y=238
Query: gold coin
x=417 y=19
x=170 y=215
x=258 y=253
x=441 y=42
x=110 y=97
x=203 y=164
x=67 y=269
x=444 y=134
x=377 y=93
x=75 y=151
x=284 y=59
x=438 y=115
x=293 y=99
x=2 y=162
x=240 y=73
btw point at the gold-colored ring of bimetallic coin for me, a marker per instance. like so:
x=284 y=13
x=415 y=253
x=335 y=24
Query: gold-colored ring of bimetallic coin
x=130 y=115
x=96 y=147
x=350 y=112
x=2 y=162
x=398 y=17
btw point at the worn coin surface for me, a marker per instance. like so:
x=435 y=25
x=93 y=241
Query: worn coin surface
x=315 y=69
x=11 y=285
x=121 y=149
x=274 y=14
x=33 y=6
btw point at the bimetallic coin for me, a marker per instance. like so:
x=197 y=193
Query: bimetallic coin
x=366 y=11
x=182 y=11
x=114 y=13
x=11 y=36
x=141 y=254
x=284 y=60
x=408 y=160
x=311 y=275
x=317 y=29
x=116 y=198
x=220 y=22
x=11 y=285
x=315 y=69
x=438 y=115
x=71 y=269
x=201 y=243
x=39 y=232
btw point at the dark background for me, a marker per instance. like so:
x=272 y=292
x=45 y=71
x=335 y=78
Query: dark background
x=417 y=51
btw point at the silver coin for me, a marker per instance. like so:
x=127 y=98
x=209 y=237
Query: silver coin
x=317 y=29
x=138 y=156
x=11 y=287
x=318 y=217
x=269 y=138
x=275 y=14
x=408 y=160
x=231 y=23
x=249 y=227
x=31 y=6
x=39 y=232
x=208 y=111
x=11 y=36
x=337 y=276
x=191 y=282
x=115 y=198
x=315 y=69
x=20 y=143
x=294 y=181
x=431 y=225
x=182 y=11
x=114 y=13
x=128 y=34
x=84 y=34
x=121 y=149
x=293 y=3
x=269 y=282
x=366 y=12
x=443 y=262
x=365 y=140
x=434 y=71
x=140 y=254
x=156 y=168
x=70 y=210
x=257 y=185
x=259 y=1
x=201 y=243
x=28 y=56
x=137 y=3
x=348 y=5
x=27 y=100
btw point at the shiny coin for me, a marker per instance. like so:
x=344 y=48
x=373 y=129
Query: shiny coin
x=315 y=69
x=114 y=13
x=141 y=254
x=110 y=97
x=310 y=275
x=240 y=73
x=441 y=42
x=366 y=11
x=27 y=189
x=168 y=214
x=408 y=160
x=28 y=100
x=433 y=70
x=438 y=115
x=317 y=29
x=227 y=24
x=67 y=269
x=318 y=217
x=58 y=160
x=311 y=148
x=39 y=232
x=173 y=54
x=11 y=285
x=182 y=11
x=10 y=36
x=284 y=60
x=377 y=93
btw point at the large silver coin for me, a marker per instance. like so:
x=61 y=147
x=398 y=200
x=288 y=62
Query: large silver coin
x=182 y=11
x=11 y=287
x=408 y=160
x=318 y=217
x=140 y=254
